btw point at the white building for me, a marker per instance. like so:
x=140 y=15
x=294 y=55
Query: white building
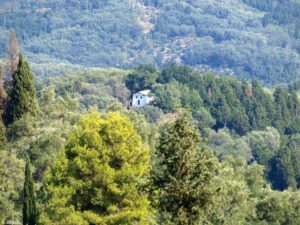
x=141 y=98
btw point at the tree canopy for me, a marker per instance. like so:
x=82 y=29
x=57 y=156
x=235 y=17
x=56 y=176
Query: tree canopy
x=99 y=174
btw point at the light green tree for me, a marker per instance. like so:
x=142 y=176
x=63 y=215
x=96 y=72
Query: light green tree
x=279 y=208
x=99 y=174
x=264 y=144
x=12 y=179
x=240 y=186
x=43 y=135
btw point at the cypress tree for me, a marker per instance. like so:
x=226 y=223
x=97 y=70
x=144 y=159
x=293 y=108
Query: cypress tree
x=184 y=175
x=23 y=95
x=29 y=207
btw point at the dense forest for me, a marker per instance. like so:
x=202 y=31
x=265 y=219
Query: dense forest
x=209 y=150
x=251 y=39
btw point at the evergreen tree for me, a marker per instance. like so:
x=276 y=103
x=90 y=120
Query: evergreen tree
x=23 y=95
x=282 y=117
x=283 y=174
x=29 y=207
x=98 y=176
x=223 y=113
x=184 y=176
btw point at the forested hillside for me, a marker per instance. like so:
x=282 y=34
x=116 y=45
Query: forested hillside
x=249 y=38
x=209 y=150
x=216 y=140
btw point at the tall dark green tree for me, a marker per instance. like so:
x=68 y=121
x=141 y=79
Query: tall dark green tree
x=29 y=206
x=23 y=94
x=185 y=175
x=282 y=117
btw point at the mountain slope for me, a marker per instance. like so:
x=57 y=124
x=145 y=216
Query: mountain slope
x=250 y=38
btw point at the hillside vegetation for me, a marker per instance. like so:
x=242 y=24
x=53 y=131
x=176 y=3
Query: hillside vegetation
x=250 y=38
x=209 y=150
x=219 y=143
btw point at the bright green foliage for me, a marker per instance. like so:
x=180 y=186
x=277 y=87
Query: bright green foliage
x=264 y=144
x=71 y=194
x=240 y=185
x=23 y=94
x=43 y=135
x=184 y=175
x=279 y=208
x=98 y=176
x=29 y=203
x=11 y=173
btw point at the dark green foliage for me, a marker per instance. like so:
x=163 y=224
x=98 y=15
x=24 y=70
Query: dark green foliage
x=242 y=107
x=283 y=174
x=182 y=74
x=285 y=170
x=23 y=95
x=282 y=116
x=143 y=77
x=167 y=97
x=29 y=204
x=184 y=175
